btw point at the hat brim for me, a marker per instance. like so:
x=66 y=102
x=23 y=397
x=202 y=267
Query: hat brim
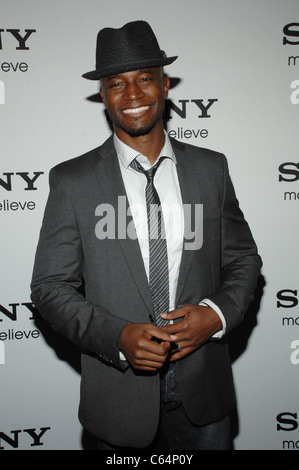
x=127 y=67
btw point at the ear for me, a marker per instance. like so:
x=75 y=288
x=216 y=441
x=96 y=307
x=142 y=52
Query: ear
x=166 y=84
x=102 y=95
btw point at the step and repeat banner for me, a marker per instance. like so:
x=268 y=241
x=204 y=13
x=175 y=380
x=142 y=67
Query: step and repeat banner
x=235 y=89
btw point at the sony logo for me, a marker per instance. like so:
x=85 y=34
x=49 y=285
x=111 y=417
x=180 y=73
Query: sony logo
x=181 y=110
x=287 y=298
x=13 y=441
x=291 y=30
x=21 y=40
x=291 y=169
x=7 y=184
x=13 y=313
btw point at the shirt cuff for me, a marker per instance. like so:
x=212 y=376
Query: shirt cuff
x=211 y=304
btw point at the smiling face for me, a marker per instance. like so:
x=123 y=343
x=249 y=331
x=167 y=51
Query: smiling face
x=135 y=101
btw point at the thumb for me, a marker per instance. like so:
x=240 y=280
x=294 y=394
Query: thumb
x=159 y=334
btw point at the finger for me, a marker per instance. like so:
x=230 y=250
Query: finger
x=177 y=330
x=148 y=361
x=176 y=313
x=159 y=334
x=178 y=346
x=146 y=365
x=156 y=350
x=180 y=354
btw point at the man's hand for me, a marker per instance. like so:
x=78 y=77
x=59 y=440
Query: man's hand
x=197 y=325
x=145 y=346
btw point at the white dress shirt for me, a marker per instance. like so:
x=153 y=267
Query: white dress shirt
x=167 y=186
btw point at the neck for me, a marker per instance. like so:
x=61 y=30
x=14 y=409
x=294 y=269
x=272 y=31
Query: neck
x=150 y=145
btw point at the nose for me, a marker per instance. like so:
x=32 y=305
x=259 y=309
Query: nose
x=133 y=92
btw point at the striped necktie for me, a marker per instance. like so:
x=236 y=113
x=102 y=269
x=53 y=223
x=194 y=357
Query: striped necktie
x=158 y=261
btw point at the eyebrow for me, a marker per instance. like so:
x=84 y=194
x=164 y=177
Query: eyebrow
x=146 y=71
x=117 y=75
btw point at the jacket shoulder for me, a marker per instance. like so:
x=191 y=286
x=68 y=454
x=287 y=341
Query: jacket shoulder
x=84 y=163
x=194 y=152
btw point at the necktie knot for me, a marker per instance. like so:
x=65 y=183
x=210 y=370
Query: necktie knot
x=150 y=173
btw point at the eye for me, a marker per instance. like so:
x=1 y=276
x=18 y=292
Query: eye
x=115 y=85
x=145 y=79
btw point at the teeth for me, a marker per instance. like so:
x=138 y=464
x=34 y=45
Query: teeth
x=135 y=110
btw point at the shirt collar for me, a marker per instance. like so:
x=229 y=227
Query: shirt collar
x=126 y=154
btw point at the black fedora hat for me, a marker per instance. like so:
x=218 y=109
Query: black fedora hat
x=128 y=48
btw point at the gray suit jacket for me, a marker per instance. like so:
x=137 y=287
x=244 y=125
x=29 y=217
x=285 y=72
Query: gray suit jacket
x=117 y=403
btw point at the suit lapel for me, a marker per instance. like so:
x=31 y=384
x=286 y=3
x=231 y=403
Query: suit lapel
x=112 y=186
x=190 y=195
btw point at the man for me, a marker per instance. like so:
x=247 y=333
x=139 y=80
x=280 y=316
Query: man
x=153 y=320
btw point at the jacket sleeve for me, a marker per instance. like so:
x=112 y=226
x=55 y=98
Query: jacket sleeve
x=240 y=261
x=57 y=279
